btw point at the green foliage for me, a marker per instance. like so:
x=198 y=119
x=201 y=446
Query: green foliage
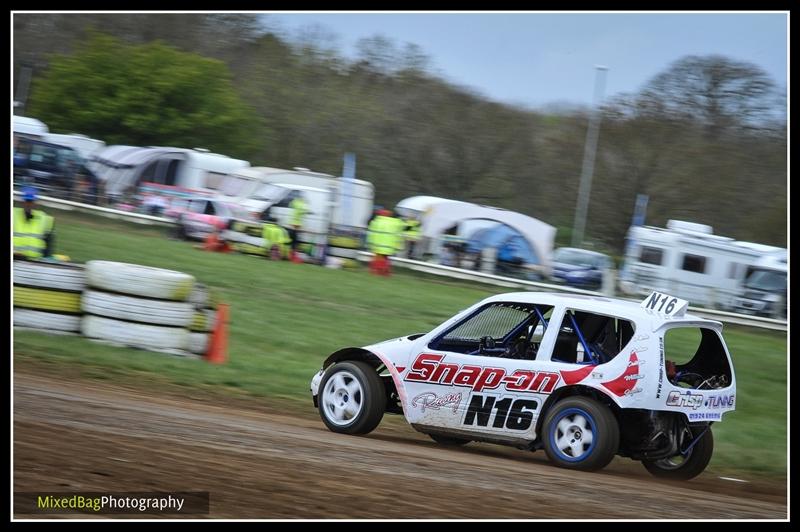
x=145 y=95
x=706 y=138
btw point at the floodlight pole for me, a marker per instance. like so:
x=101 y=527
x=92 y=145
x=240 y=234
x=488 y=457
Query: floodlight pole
x=588 y=156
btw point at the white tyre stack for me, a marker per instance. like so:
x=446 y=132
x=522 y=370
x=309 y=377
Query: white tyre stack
x=47 y=295
x=138 y=306
x=203 y=318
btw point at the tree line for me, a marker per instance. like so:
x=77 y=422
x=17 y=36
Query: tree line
x=705 y=139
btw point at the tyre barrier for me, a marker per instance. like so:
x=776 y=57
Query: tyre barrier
x=116 y=303
x=203 y=321
x=135 y=334
x=198 y=342
x=47 y=300
x=203 y=297
x=245 y=242
x=59 y=276
x=49 y=321
x=136 y=280
x=136 y=309
x=47 y=295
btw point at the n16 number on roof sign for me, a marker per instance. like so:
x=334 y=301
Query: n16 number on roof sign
x=665 y=305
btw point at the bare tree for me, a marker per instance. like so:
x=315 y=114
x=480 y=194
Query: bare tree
x=716 y=91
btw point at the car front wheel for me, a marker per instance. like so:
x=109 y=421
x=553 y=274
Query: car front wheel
x=352 y=398
x=580 y=433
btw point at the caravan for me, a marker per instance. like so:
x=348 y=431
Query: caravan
x=689 y=261
x=130 y=171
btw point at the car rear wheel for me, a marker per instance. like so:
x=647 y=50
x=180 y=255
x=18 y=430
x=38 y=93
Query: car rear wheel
x=687 y=465
x=580 y=433
x=352 y=398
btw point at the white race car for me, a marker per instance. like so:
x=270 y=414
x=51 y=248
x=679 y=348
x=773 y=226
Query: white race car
x=586 y=378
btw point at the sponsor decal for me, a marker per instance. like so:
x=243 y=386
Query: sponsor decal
x=632 y=391
x=508 y=413
x=627 y=380
x=637 y=362
x=597 y=375
x=429 y=367
x=641 y=337
x=685 y=399
x=720 y=401
x=640 y=349
x=704 y=416
x=430 y=400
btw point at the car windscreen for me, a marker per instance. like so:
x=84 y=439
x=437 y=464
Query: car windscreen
x=269 y=192
x=233 y=185
x=766 y=280
x=233 y=210
x=576 y=258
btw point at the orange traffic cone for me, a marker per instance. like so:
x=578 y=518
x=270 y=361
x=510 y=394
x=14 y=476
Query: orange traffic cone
x=218 y=347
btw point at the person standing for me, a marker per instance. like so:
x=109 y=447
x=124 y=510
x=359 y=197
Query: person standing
x=276 y=239
x=299 y=208
x=384 y=237
x=411 y=235
x=33 y=229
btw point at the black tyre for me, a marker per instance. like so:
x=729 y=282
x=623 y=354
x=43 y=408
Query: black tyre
x=448 y=440
x=580 y=433
x=352 y=398
x=687 y=467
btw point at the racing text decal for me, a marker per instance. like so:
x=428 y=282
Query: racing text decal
x=509 y=414
x=430 y=400
x=428 y=367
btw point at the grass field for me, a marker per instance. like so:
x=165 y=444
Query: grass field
x=285 y=318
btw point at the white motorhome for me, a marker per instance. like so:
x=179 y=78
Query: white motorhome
x=689 y=261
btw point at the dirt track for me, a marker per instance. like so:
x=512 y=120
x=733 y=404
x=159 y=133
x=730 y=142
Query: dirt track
x=85 y=436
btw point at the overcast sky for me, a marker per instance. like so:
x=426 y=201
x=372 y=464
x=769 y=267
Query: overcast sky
x=540 y=58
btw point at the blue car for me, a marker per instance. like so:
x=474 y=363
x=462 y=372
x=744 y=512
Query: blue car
x=580 y=268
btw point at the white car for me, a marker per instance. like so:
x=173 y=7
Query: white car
x=584 y=378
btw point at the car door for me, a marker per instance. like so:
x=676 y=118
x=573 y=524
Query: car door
x=465 y=380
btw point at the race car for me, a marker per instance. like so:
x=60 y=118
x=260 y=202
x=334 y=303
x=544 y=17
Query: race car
x=199 y=216
x=585 y=378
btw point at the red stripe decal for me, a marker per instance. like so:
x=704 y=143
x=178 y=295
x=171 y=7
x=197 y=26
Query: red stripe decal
x=620 y=385
x=575 y=376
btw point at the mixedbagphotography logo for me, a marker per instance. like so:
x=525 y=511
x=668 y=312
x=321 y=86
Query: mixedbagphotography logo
x=179 y=503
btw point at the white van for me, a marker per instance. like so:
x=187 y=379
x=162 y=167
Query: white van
x=25 y=126
x=765 y=287
x=339 y=208
x=689 y=261
x=253 y=188
x=277 y=198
